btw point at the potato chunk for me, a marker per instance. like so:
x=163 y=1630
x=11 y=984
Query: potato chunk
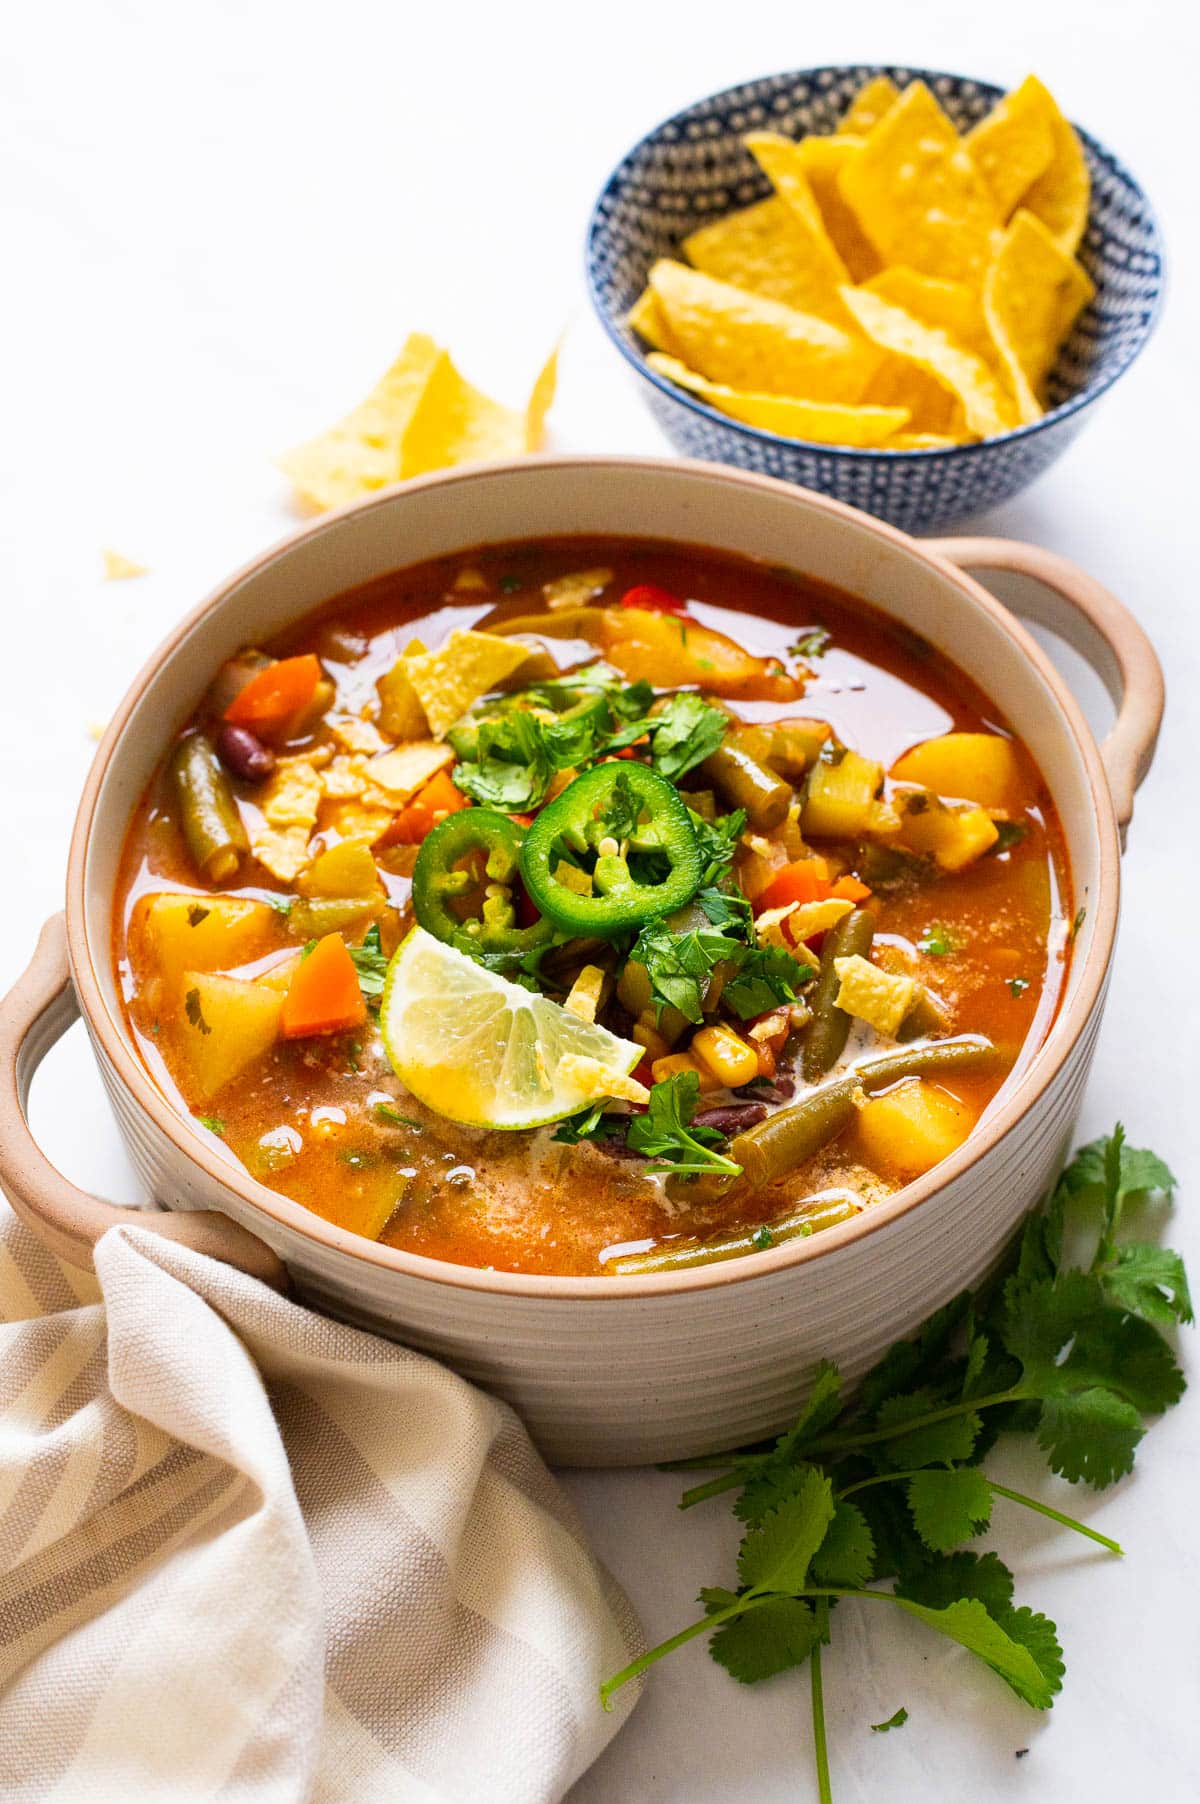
x=955 y=837
x=974 y=767
x=173 y=933
x=227 y=1023
x=907 y=1130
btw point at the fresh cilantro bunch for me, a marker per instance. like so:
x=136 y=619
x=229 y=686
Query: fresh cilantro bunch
x=514 y=751
x=877 y=1499
x=718 y=841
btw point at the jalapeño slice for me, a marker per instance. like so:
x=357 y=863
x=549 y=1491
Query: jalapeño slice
x=614 y=850
x=471 y=855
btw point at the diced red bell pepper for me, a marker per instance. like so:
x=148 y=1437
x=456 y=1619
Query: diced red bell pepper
x=432 y=803
x=654 y=600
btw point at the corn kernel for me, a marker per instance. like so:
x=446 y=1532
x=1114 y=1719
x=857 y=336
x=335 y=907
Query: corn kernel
x=677 y=1062
x=730 y=1058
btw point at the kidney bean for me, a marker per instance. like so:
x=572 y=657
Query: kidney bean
x=732 y=1118
x=243 y=753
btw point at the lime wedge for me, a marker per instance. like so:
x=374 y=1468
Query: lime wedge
x=481 y=1050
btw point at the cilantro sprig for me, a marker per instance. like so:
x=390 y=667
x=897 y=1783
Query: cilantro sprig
x=875 y=1500
x=371 y=962
x=757 y=978
x=667 y=1135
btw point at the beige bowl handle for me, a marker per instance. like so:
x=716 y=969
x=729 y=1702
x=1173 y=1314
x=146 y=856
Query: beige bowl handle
x=1078 y=609
x=36 y=1012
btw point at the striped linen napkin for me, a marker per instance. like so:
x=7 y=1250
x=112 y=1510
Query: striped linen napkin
x=248 y=1554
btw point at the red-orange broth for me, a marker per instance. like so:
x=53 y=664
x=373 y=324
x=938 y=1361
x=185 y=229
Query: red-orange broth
x=991 y=940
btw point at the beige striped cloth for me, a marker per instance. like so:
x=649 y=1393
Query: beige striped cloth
x=248 y=1554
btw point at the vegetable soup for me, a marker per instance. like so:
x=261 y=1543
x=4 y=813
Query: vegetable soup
x=591 y=906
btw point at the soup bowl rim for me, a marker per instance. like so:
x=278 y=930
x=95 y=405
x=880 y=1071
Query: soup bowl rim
x=275 y=1217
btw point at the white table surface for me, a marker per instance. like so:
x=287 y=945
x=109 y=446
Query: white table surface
x=218 y=224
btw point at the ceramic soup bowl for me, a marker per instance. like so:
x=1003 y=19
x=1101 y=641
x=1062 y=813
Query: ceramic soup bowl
x=612 y=1370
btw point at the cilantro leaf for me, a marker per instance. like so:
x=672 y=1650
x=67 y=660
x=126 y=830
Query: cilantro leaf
x=191 y=1008
x=776 y=1554
x=949 y=1507
x=1038 y=1634
x=677 y=965
x=729 y=911
x=371 y=963
x=717 y=841
x=916 y=1360
x=665 y=1134
x=510 y=765
x=935 y=1444
x=960 y=1575
x=937 y=941
x=1149 y=1282
x=893 y=1722
x=684 y=732
x=847 y=1554
x=213 y=1123
x=1089 y=1436
x=589 y=1124
x=766 y=976
x=715 y=1598
x=814 y=642
x=1108 y=1171
x=767 y=1640
x=968 y=1623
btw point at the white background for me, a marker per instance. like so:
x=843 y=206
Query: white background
x=218 y=223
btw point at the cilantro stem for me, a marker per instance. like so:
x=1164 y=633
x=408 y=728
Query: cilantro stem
x=1030 y=1503
x=636 y=1668
x=820 y=1745
x=833 y=1443
x=1044 y=1509
x=839 y=1443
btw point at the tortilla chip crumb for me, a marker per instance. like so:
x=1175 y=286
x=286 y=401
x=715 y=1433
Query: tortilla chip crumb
x=119 y=569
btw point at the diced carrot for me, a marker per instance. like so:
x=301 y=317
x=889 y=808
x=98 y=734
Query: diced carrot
x=522 y=820
x=653 y=599
x=324 y=996
x=432 y=803
x=850 y=889
x=276 y=692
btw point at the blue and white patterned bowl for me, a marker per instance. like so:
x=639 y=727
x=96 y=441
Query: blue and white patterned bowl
x=694 y=167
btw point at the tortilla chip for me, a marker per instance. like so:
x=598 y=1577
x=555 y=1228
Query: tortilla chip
x=448 y=681
x=1014 y=145
x=398 y=774
x=281 y=850
x=782 y=163
x=826 y=423
x=750 y=342
x=951 y=306
x=292 y=795
x=118 y=569
x=355 y=734
x=541 y=400
x=918 y=195
x=922 y=441
x=987 y=408
x=454 y=423
x=354 y=820
x=869 y=106
x=362 y=452
x=822 y=160
x=767 y=249
x=1061 y=194
x=646 y=318
x=1033 y=295
x=931 y=406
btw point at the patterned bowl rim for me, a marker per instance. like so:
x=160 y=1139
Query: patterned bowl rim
x=1076 y=402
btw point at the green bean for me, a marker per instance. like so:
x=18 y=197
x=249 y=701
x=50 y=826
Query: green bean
x=826 y=1034
x=927 y=1015
x=312 y=917
x=681 y=1254
x=790 y=1137
x=745 y=783
x=208 y=814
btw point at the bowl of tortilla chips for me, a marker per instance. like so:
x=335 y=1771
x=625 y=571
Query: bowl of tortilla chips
x=899 y=287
